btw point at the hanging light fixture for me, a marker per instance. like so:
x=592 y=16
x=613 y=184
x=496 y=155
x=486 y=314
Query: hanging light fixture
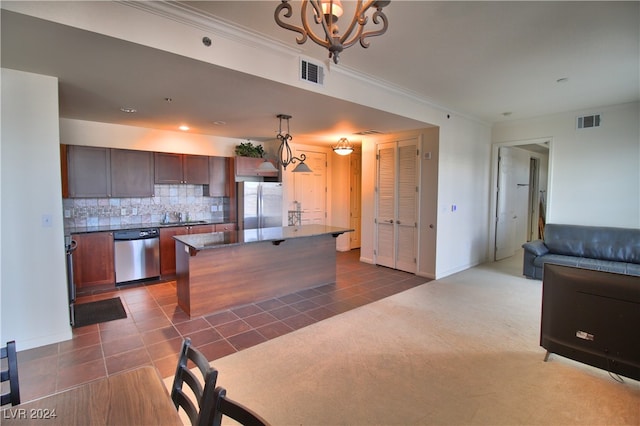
x=344 y=147
x=285 y=154
x=326 y=14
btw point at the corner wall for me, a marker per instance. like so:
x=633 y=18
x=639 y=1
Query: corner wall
x=33 y=289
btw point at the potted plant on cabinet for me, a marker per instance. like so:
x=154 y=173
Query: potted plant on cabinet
x=247 y=149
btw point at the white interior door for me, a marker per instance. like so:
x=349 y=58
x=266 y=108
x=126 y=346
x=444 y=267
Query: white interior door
x=397 y=201
x=512 y=201
x=505 y=215
x=355 y=199
x=311 y=189
x=386 y=208
x=406 y=216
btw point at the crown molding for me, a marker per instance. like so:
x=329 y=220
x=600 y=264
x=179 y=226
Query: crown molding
x=196 y=18
x=193 y=17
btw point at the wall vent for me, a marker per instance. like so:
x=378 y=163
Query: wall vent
x=313 y=73
x=588 y=121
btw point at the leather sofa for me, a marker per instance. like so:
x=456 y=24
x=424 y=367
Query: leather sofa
x=589 y=247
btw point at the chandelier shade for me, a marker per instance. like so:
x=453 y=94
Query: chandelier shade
x=343 y=147
x=324 y=31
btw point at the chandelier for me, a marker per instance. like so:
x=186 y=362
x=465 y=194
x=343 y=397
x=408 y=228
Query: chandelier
x=285 y=154
x=325 y=16
x=344 y=147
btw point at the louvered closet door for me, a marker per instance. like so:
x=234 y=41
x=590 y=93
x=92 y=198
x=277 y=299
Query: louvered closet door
x=407 y=206
x=385 y=221
x=397 y=203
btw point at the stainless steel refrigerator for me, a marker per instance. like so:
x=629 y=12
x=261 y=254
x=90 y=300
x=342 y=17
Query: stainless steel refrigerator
x=259 y=204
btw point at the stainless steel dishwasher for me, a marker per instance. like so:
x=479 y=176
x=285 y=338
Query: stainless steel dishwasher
x=137 y=254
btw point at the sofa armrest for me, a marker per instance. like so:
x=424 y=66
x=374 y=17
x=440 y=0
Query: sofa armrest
x=537 y=247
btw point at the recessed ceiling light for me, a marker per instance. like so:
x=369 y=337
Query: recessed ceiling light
x=128 y=110
x=562 y=80
x=184 y=127
x=219 y=123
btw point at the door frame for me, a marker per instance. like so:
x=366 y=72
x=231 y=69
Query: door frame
x=495 y=152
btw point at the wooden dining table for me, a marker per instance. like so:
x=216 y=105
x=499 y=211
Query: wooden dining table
x=134 y=397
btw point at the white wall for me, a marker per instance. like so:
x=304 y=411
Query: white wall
x=78 y=132
x=33 y=296
x=594 y=174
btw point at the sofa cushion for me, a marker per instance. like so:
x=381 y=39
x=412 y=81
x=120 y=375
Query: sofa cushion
x=595 y=242
x=586 y=263
x=537 y=247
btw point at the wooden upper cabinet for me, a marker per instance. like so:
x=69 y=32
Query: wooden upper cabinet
x=220 y=178
x=89 y=171
x=168 y=167
x=248 y=166
x=131 y=173
x=181 y=168
x=196 y=169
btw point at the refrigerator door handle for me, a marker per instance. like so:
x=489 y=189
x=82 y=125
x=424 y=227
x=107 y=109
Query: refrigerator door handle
x=260 y=206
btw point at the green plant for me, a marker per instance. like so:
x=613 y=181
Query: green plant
x=247 y=149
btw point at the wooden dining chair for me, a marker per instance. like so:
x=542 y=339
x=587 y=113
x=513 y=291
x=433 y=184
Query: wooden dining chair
x=10 y=373
x=201 y=410
x=225 y=407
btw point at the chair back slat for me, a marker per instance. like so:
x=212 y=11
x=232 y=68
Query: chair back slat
x=200 y=410
x=10 y=374
x=225 y=407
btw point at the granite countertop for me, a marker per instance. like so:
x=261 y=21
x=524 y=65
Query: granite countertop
x=275 y=235
x=109 y=228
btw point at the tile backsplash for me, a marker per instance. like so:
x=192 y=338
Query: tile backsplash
x=171 y=199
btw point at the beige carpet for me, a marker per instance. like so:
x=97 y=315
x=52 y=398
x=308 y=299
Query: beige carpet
x=461 y=350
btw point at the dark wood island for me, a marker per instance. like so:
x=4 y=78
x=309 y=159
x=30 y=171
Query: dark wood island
x=219 y=270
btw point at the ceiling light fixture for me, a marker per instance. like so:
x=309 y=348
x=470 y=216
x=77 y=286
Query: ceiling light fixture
x=285 y=154
x=325 y=15
x=344 y=147
x=128 y=110
x=184 y=127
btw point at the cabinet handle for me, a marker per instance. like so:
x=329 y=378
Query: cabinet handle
x=390 y=220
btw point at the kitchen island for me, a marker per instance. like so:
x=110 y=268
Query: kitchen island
x=219 y=270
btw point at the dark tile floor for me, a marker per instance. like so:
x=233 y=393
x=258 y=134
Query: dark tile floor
x=155 y=326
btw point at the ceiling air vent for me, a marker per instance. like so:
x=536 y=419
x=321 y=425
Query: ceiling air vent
x=313 y=73
x=588 y=121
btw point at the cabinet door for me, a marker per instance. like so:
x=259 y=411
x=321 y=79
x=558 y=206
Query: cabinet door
x=248 y=166
x=196 y=169
x=89 y=171
x=93 y=259
x=168 y=249
x=218 y=177
x=131 y=173
x=202 y=229
x=168 y=167
x=223 y=227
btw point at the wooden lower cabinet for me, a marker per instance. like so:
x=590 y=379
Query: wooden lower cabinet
x=93 y=259
x=168 y=244
x=222 y=227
